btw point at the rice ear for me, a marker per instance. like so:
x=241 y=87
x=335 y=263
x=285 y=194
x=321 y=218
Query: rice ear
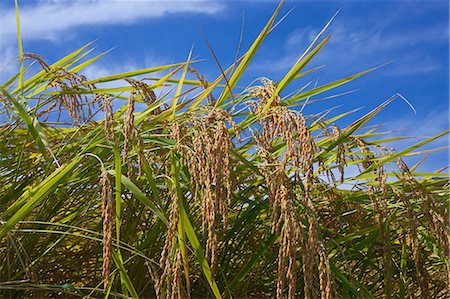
x=108 y=209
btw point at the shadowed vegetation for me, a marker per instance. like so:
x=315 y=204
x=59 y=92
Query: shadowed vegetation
x=208 y=191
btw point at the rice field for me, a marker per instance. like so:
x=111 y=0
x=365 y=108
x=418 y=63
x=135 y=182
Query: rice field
x=211 y=190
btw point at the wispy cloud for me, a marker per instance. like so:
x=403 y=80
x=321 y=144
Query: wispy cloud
x=415 y=63
x=424 y=124
x=356 y=42
x=48 y=19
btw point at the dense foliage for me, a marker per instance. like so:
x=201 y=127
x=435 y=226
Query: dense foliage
x=208 y=191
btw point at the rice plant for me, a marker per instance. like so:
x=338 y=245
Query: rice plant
x=211 y=191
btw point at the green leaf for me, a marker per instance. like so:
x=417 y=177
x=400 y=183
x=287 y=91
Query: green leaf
x=141 y=196
x=133 y=73
x=402 y=153
x=123 y=273
x=329 y=86
x=180 y=85
x=34 y=196
x=345 y=282
x=32 y=124
x=252 y=262
x=354 y=127
x=293 y=72
x=245 y=60
x=190 y=232
x=19 y=44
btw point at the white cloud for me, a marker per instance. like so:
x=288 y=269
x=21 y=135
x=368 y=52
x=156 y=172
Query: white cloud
x=48 y=19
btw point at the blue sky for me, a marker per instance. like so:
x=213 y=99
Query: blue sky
x=412 y=34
